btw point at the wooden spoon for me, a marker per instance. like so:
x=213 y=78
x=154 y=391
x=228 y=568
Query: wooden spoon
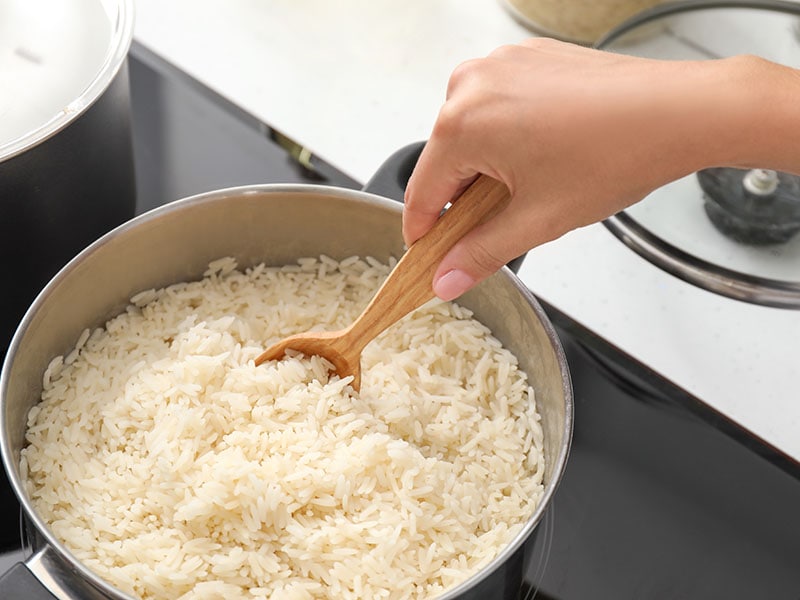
x=408 y=286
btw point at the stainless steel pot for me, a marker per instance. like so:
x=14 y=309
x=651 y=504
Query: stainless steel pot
x=66 y=157
x=275 y=224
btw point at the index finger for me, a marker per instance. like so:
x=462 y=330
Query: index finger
x=434 y=183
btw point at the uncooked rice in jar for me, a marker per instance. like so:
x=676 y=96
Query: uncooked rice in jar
x=584 y=21
x=174 y=468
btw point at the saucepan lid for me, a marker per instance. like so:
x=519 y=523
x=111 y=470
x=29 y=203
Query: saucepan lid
x=730 y=231
x=56 y=58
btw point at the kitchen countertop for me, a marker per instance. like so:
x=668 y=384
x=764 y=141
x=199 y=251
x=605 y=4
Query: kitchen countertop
x=357 y=79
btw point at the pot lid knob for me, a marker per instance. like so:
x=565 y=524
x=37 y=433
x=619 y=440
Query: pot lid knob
x=756 y=207
x=761 y=182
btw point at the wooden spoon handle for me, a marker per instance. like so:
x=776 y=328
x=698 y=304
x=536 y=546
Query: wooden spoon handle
x=410 y=284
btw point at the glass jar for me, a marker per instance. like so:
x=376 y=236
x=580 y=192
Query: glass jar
x=582 y=21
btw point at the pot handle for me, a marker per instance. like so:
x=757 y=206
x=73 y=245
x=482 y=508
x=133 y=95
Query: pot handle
x=46 y=576
x=392 y=176
x=19 y=582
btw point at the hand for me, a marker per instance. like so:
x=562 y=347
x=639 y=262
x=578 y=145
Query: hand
x=577 y=135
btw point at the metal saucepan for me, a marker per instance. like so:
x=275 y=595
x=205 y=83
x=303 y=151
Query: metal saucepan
x=276 y=224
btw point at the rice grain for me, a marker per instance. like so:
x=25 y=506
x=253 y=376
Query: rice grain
x=174 y=468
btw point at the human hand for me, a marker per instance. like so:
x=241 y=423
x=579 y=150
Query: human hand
x=577 y=135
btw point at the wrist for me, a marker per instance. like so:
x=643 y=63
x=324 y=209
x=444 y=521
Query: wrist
x=755 y=116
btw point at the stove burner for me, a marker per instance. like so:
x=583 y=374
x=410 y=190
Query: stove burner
x=756 y=207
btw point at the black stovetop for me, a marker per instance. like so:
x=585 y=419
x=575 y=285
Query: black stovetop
x=662 y=497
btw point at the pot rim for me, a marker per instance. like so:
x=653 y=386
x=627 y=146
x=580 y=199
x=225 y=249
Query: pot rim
x=557 y=463
x=122 y=23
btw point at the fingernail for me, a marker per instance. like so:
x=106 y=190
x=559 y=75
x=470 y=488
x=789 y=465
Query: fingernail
x=452 y=284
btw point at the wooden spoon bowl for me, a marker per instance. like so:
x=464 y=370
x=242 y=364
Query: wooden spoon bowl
x=408 y=286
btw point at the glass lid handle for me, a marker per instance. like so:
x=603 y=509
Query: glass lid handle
x=761 y=182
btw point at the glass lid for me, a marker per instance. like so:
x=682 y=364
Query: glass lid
x=730 y=231
x=56 y=58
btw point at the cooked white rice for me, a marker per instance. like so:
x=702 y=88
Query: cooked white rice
x=174 y=468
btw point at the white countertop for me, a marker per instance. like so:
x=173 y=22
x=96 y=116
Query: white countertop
x=355 y=80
